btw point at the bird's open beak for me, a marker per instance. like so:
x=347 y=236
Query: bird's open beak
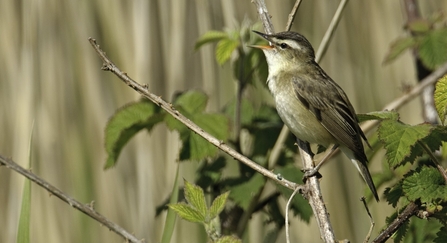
x=265 y=47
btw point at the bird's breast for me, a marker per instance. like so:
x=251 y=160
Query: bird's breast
x=301 y=121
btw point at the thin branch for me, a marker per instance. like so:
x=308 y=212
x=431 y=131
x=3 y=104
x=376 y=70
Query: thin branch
x=264 y=16
x=330 y=31
x=86 y=209
x=434 y=159
x=409 y=211
x=414 y=92
x=315 y=197
x=293 y=14
x=289 y=202
x=370 y=219
x=108 y=65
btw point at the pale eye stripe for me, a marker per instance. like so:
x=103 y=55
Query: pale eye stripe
x=292 y=44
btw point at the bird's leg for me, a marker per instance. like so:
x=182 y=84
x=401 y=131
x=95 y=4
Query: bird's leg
x=314 y=171
x=305 y=146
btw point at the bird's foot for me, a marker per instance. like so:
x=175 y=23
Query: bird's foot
x=311 y=172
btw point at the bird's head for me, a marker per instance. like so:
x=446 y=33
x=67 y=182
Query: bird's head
x=286 y=50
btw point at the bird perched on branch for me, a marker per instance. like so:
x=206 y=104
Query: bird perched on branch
x=310 y=103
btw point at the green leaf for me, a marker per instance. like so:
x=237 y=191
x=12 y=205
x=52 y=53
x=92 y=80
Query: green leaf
x=398 y=47
x=275 y=213
x=440 y=97
x=436 y=137
x=218 y=205
x=394 y=194
x=247 y=111
x=400 y=234
x=210 y=172
x=209 y=37
x=243 y=193
x=170 y=217
x=196 y=198
x=197 y=148
x=378 y=115
x=441 y=236
x=214 y=124
x=125 y=123
x=247 y=64
x=187 y=212
x=228 y=239
x=224 y=49
x=426 y=184
x=400 y=139
x=271 y=236
x=192 y=102
x=433 y=48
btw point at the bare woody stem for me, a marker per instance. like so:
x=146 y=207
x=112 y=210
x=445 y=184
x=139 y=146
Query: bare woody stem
x=86 y=209
x=108 y=65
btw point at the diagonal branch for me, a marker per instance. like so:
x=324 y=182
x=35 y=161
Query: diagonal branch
x=86 y=209
x=108 y=65
x=409 y=211
x=293 y=14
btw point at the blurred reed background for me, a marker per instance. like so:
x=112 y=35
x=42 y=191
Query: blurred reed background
x=49 y=74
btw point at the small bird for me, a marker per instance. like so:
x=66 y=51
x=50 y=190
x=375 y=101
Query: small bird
x=309 y=102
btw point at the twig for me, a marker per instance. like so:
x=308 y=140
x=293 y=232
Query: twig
x=434 y=159
x=409 y=211
x=108 y=65
x=264 y=16
x=330 y=31
x=85 y=208
x=287 y=214
x=293 y=14
x=414 y=92
x=370 y=219
x=315 y=197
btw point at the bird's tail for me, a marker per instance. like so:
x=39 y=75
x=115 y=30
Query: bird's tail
x=362 y=167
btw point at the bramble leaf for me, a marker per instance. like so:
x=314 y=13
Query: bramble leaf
x=187 y=212
x=440 y=97
x=400 y=140
x=209 y=37
x=125 y=123
x=433 y=48
x=196 y=198
x=218 y=205
x=224 y=49
x=398 y=47
x=426 y=184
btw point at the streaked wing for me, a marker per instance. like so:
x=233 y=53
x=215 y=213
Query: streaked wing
x=332 y=109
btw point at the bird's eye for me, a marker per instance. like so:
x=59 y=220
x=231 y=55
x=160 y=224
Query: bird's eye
x=283 y=45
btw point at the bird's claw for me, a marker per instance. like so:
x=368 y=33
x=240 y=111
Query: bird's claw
x=311 y=172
